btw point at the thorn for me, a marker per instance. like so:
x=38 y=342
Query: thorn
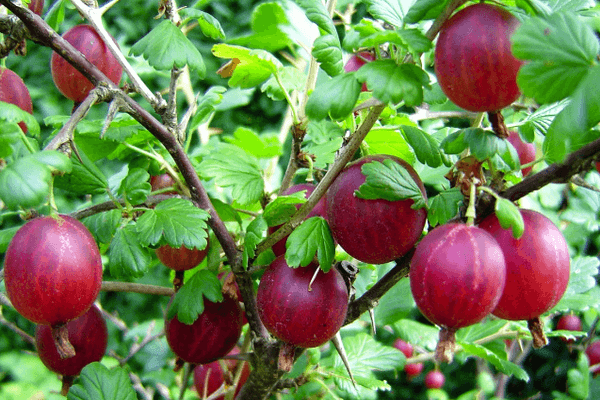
x=373 y=326
x=339 y=346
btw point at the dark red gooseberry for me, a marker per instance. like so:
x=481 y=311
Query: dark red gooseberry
x=593 y=354
x=358 y=60
x=405 y=347
x=181 y=258
x=474 y=64
x=163 y=181
x=52 y=270
x=456 y=277
x=319 y=210
x=298 y=312
x=208 y=378
x=37 y=6
x=211 y=336
x=434 y=379
x=372 y=231
x=413 y=370
x=70 y=82
x=88 y=335
x=568 y=322
x=14 y=91
x=526 y=151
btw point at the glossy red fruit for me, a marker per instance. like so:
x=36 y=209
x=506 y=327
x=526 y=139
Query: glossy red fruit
x=88 y=335
x=181 y=258
x=456 y=277
x=372 y=231
x=37 y=6
x=70 y=82
x=208 y=378
x=526 y=151
x=211 y=336
x=298 y=312
x=413 y=370
x=537 y=266
x=405 y=347
x=434 y=379
x=593 y=354
x=358 y=60
x=319 y=210
x=14 y=91
x=474 y=64
x=568 y=322
x=52 y=270
x=163 y=181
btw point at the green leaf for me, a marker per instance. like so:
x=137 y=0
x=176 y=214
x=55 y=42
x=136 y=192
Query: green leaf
x=127 y=256
x=395 y=304
x=225 y=211
x=540 y=120
x=484 y=144
x=323 y=140
x=282 y=208
x=388 y=10
x=388 y=141
x=317 y=13
x=136 y=186
x=480 y=330
x=328 y=52
x=578 y=379
x=13 y=114
x=560 y=49
x=104 y=225
x=312 y=237
x=335 y=97
x=509 y=216
x=207 y=105
x=424 y=10
x=6 y=236
x=208 y=24
x=255 y=233
x=570 y=130
x=166 y=47
x=255 y=66
x=24 y=183
x=426 y=148
x=188 y=302
x=96 y=382
x=291 y=79
x=583 y=274
x=417 y=333
x=270 y=28
x=504 y=366
x=578 y=302
x=85 y=178
x=232 y=167
x=55 y=160
x=176 y=222
x=454 y=143
x=410 y=39
x=390 y=181
x=444 y=206
x=393 y=83
x=262 y=146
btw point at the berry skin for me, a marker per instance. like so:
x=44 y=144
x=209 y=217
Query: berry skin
x=413 y=370
x=593 y=354
x=405 y=347
x=358 y=60
x=14 y=91
x=568 y=322
x=434 y=380
x=526 y=151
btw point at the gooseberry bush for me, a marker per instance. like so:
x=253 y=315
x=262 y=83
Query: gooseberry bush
x=313 y=199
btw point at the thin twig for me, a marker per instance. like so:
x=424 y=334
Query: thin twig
x=113 y=286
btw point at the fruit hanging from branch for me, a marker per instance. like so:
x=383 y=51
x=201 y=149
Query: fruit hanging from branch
x=373 y=231
x=537 y=270
x=70 y=82
x=358 y=60
x=53 y=273
x=181 y=258
x=14 y=91
x=456 y=277
x=208 y=378
x=474 y=64
x=526 y=151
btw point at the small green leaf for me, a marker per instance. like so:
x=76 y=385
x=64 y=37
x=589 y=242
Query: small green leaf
x=176 y=222
x=207 y=105
x=424 y=10
x=6 y=236
x=328 y=52
x=104 y=225
x=261 y=146
x=509 y=216
x=225 y=211
x=24 y=183
x=388 y=141
x=96 y=382
x=312 y=237
x=282 y=208
x=393 y=83
x=271 y=29
x=323 y=139
x=317 y=13
x=335 y=98
x=55 y=160
x=504 y=366
x=444 y=206
x=454 y=143
x=417 y=333
x=291 y=78
x=85 y=178
x=188 y=302
x=583 y=274
x=578 y=302
x=166 y=47
x=424 y=145
x=390 y=181
x=13 y=114
x=127 y=256
x=388 y=10
x=232 y=167
x=255 y=233
x=208 y=24
x=255 y=66
x=578 y=379
x=136 y=186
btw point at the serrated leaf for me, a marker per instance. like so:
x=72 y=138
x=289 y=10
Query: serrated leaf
x=166 y=47
x=317 y=13
x=127 y=256
x=390 y=181
x=480 y=330
x=13 y=114
x=560 y=49
x=255 y=233
x=255 y=66
x=209 y=25
x=96 y=382
x=24 y=183
x=444 y=206
x=426 y=148
x=291 y=79
x=328 y=52
x=540 y=120
x=578 y=379
x=282 y=208
x=262 y=146
x=388 y=10
x=365 y=355
x=207 y=105
x=335 y=98
x=417 y=333
x=323 y=139
x=484 y=144
x=136 y=186
x=393 y=83
x=270 y=28
x=578 y=302
x=176 y=222
x=85 y=178
x=504 y=366
x=104 y=225
x=509 y=216
x=225 y=211
x=388 y=141
x=396 y=304
x=232 y=167
x=188 y=302
x=410 y=39
x=454 y=143
x=55 y=160
x=583 y=274
x=424 y=10
x=312 y=237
